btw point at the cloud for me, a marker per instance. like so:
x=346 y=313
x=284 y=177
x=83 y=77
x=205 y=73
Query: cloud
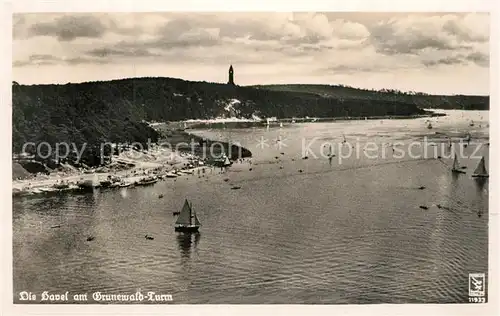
x=68 y=28
x=45 y=59
x=479 y=58
x=413 y=34
x=83 y=60
x=304 y=44
x=37 y=59
x=110 y=52
x=469 y=28
x=292 y=28
x=404 y=37
x=237 y=36
x=444 y=61
x=350 y=69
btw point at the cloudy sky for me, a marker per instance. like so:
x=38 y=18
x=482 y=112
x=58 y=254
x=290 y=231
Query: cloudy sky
x=435 y=53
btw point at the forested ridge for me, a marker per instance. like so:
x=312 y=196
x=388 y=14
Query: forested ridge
x=116 y=111
x=423 y=100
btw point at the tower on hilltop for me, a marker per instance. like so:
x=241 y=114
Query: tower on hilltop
x=231 y=76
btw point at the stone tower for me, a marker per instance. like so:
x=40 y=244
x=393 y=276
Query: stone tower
x=231 y=76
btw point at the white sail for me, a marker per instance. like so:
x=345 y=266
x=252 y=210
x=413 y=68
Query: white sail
x=195 y=220
x=227 y=162
x=481 y=169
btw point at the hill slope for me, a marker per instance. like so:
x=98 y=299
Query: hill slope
x=114 y=111
x=463 y=102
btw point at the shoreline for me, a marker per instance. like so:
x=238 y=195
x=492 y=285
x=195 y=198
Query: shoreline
x=159 y=164
x=263 y=123
x=192 y=153
x=200 y=147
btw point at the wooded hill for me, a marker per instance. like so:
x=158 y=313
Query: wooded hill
x=423 y=100
x=115 y=111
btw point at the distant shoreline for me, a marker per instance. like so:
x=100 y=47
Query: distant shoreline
x=262 y=123
x=177 y=137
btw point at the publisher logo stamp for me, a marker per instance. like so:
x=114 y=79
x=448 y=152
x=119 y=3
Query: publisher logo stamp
x=476 y=284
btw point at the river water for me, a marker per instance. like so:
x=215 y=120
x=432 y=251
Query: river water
x=298 y=231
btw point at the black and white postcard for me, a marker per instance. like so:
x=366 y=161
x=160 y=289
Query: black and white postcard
x=180 y=159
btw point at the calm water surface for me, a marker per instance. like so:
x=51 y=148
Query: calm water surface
x=342 y=233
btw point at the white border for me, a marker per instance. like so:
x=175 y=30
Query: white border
x=256 y=5
x=492 y=308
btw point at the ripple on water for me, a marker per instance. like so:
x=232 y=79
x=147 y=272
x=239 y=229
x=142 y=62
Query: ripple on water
x=340 y=234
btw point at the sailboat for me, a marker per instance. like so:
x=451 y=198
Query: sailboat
x=456 y=166
x=187 y=221
x=429 y=126
x=226 y=162
x=467 y=138
x=480 y=171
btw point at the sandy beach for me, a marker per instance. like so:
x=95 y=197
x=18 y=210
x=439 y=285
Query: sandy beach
x=157 y=162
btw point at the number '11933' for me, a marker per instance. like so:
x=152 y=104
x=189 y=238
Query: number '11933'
x=477 y=300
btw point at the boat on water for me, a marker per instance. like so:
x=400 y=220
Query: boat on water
x=429 y=126
x=480 y=171
x=147 y=181
x=344 y=140
x=171 y=175
x=187 y=221
x=223 y=162
x=456 y=167
x=87 y=184
x=114 y=185
x=61 y=186
x=124 y=184
x=471 y=123
x=106 y=183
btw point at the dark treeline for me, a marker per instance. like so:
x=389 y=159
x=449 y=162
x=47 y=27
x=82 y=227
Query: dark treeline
x=114 y=111
x=76 y=115
x=423 y=100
